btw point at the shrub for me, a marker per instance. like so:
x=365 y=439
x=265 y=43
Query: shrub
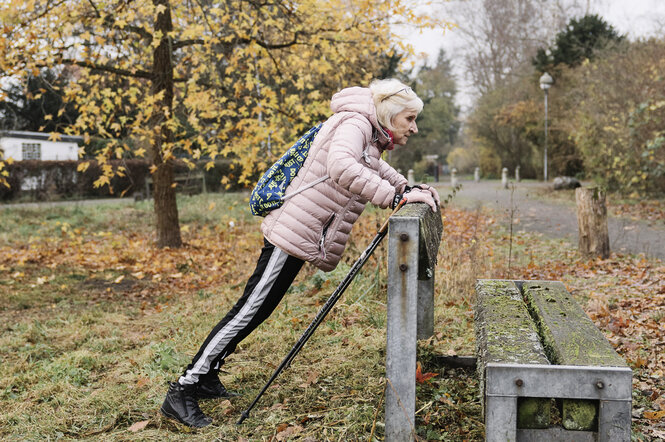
x=463 y=159
x=53 y=180
x=618 y=123
x=490 y=163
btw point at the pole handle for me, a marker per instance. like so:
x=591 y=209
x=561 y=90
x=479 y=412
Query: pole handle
x=399 y=206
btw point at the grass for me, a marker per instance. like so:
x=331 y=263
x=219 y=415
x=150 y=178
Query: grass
x=96 y=321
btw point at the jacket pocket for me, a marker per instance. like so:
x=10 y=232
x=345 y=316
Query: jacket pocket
x=324 y=234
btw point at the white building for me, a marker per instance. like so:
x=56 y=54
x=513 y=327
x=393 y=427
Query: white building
x=21 y=145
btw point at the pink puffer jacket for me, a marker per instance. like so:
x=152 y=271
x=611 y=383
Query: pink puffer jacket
x=314 y=225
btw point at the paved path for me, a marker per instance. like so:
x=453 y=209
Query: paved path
x=535 y=214
x=557 y=219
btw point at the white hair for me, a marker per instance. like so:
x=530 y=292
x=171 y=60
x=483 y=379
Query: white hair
x=391 y=97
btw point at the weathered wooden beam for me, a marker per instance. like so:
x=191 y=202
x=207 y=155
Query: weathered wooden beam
x=431 y=229
x=569 y=338
x=505 y=333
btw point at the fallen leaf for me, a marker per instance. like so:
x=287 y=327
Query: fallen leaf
x=288 y=432
x=138 y=426
x=311 y=379
x=422 y=378
x=654 y=415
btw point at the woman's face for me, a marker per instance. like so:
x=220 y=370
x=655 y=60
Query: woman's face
x=404 y=124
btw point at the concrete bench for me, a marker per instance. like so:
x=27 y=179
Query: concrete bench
x=546 y=372
x=414 y=234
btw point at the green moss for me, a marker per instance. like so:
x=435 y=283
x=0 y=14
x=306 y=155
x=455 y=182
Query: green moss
x=579 y=414
x=568 y=335
x=533 y=412
x=506 y=331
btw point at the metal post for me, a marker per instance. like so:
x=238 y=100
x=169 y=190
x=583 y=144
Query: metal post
x=546 y=82
x=614 y=420
x=500 y=419
x=545 y=154
x=403 y=241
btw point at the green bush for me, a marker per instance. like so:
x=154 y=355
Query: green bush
x=619 y=118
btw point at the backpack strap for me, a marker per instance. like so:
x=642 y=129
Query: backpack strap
x=309 y=186
x=342 y=116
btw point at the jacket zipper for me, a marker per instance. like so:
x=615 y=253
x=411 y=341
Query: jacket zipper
x=324 y=232
x=366 y=156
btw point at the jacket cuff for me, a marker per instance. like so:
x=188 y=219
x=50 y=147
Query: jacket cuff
x=396 y=199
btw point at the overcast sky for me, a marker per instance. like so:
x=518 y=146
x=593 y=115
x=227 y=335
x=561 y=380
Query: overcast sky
x=634 y=18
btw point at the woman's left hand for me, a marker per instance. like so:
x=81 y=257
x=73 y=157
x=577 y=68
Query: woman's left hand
x=432 y=190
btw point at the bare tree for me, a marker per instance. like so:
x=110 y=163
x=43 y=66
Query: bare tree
x=501 y=36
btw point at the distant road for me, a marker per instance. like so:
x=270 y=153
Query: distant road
x=558 y=220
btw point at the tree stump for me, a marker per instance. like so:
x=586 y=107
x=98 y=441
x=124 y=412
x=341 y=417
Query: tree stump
x=594 y=239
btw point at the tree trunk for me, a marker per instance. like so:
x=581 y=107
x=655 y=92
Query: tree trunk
x=594 y=239
x=166 y=206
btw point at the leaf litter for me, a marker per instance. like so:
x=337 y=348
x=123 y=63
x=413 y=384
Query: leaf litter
x=66 y=286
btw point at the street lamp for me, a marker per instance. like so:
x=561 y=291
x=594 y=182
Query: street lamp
x=545 y=83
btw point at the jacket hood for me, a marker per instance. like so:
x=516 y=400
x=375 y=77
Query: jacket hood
x=360 y=100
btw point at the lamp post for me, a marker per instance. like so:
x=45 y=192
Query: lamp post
x=545 y=84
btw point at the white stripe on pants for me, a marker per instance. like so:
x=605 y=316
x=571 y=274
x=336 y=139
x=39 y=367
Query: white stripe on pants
x=240 y=320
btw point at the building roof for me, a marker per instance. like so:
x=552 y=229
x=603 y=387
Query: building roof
x=42 y=136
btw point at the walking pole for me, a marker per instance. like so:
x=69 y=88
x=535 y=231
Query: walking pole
x=324 y=310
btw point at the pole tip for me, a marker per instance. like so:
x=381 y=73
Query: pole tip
x=243 y=416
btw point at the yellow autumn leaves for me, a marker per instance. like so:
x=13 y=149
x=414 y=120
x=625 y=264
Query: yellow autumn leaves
x=246 y=77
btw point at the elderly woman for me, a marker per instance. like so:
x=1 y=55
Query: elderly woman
x=314 y=225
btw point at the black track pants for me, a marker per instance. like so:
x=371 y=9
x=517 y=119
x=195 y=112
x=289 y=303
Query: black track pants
x=274 y=274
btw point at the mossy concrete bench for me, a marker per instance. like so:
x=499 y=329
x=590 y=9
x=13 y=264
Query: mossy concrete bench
x=546 y=372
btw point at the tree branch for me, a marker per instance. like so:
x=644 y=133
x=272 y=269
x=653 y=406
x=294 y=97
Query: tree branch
x=265 y=45
x=107 y=68
x=184 y=43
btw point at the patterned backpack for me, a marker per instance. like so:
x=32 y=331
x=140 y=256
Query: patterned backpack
x=269 y=191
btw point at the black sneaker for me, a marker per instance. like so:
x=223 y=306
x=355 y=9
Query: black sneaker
x=210 y=387
x=181 y=404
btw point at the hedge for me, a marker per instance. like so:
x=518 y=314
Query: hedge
x=55 y=180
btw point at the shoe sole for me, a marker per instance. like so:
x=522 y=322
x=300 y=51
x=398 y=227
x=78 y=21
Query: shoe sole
x=177 y=418
x=210 y=396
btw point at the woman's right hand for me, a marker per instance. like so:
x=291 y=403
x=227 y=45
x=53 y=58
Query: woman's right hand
x=416 y=195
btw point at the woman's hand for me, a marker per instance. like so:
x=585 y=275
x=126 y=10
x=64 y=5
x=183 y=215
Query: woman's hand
x=416 y=195
x=431 y=190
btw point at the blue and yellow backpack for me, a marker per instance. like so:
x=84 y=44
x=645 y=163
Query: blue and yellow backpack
x=268 y=194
